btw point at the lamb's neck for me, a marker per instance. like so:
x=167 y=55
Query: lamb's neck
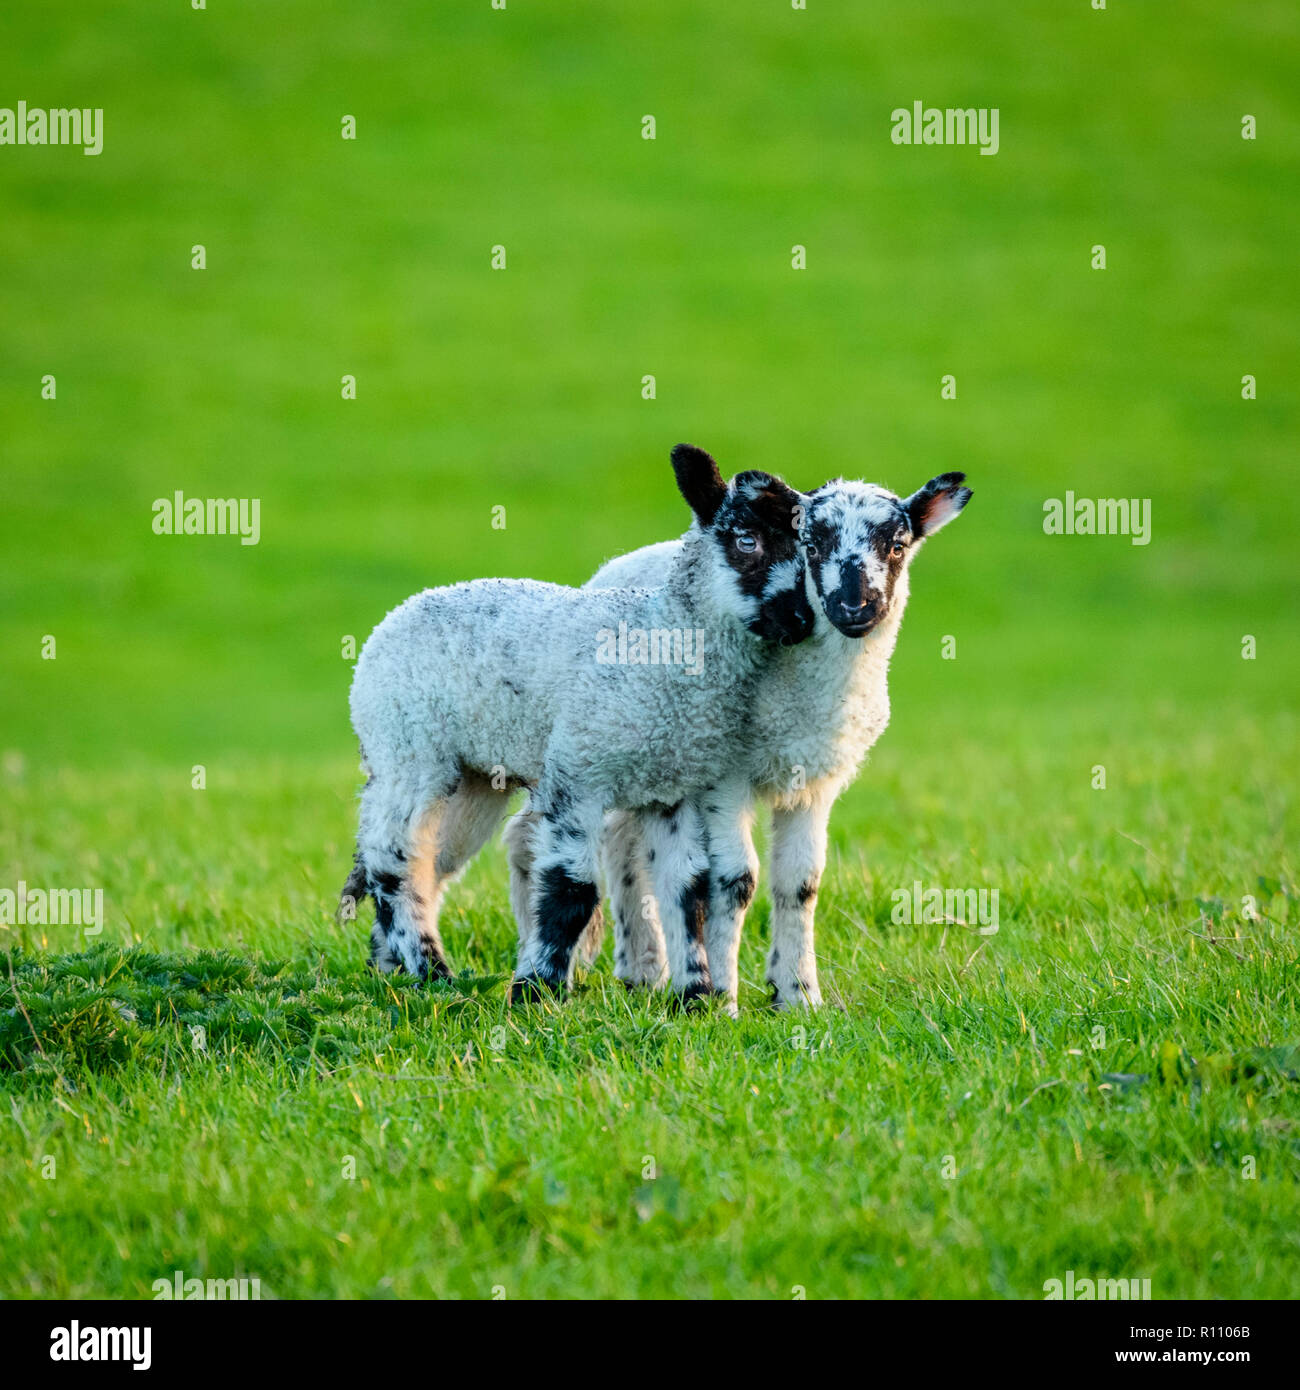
x=689 y=599
x=866 y=659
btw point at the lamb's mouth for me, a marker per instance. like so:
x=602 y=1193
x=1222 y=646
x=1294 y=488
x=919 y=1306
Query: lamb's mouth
x=856 y=629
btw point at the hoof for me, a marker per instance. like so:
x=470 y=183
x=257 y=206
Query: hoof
x=694 y=998
x=531 y=989
x=433 y=967
x=800 y=999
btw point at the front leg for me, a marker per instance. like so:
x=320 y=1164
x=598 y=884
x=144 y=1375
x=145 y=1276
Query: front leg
x=519 y=837
x=678 y=863
x=563 y=894
x=727 y=813
x=798 y=858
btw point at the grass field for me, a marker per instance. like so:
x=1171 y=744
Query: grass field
x=1110 y=1084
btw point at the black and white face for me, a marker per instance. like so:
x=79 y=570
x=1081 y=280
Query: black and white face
x=757 y=568
x=859 y=539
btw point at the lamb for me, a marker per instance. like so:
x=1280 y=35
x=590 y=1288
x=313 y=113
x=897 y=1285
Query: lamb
x=465 y=693
x=818 y=709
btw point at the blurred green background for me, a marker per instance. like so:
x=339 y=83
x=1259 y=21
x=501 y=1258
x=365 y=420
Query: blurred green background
x=627 y=257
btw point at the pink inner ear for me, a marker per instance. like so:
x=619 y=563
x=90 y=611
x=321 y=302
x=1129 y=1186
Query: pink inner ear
x=938 y=511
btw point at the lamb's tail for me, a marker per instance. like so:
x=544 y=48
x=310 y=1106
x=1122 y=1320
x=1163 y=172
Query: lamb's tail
x=354 y=890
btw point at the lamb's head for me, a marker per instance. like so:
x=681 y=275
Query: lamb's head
x=859 y=540
x=749 y=529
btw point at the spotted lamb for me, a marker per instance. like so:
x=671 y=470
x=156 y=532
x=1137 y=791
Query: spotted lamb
x=817 y=709
x=463 y=694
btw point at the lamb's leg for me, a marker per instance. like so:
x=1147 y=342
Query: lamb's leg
x=797 y=859
x=520 y=837
x=564 y=894
x=728 y=817
x=396 y=846
x=678 y=861
x=471 y=814
x=640 y=955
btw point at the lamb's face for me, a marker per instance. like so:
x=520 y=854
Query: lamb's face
x=859 y=540
x=750 y=528
x=759 y=574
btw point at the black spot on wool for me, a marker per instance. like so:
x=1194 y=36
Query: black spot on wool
x=384 y=885
x=738 y=891
x=695 y=905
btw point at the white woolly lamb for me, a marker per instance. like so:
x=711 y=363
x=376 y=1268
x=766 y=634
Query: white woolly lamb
x=817 y=709
x=596 y=699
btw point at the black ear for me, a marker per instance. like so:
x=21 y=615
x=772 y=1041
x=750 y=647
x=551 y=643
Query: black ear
x=700 y=481
x=773 y=502
x=935 y=504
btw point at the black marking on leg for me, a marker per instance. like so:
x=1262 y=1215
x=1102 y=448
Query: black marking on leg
x=564 y=908
x=772 y=963
x=808 y=890
x=738 y=890
x=383 y=910
x=385 y=884
x=433 y=964
x=559 y=799
x=693 y=998
x=694 y=903
x=379 y=951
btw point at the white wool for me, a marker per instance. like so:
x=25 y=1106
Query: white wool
x=503 y=673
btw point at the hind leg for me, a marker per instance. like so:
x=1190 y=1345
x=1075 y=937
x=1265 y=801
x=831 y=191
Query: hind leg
x=520 y=839
x=447 y=838
x=640 y=955
x=472 y=813
x=395 y=845
x=414 y=838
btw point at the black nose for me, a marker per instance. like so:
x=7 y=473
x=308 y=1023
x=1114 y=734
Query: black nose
x=855 y=610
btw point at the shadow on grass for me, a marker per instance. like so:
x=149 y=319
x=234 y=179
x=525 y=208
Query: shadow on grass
x=109 y=1009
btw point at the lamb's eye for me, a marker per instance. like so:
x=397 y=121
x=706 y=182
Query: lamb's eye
x=896 y=549
x=747 y=543
x=813 y=552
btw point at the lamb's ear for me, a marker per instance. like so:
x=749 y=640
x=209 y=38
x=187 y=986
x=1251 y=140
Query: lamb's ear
x=936 y=503
x=774 y=502
x=700 y=481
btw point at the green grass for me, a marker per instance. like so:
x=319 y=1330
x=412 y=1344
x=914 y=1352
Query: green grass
x=497 y=1149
